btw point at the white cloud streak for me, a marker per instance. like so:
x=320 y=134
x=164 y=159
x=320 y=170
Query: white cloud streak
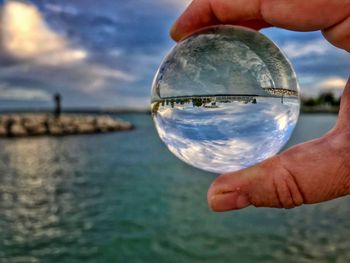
x=22 y=93
x=299 y=49
x=178 y=3
x=335 y=84
x=332 y=83
x=67 y=9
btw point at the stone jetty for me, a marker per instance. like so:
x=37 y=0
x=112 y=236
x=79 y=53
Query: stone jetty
x=23 y=125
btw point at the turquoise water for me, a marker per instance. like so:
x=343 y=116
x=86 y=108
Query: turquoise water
x=124 y=197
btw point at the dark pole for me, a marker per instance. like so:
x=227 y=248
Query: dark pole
x=57 y=99
x=8 y=126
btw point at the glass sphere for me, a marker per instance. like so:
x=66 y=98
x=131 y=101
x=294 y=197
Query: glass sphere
x=225 y=98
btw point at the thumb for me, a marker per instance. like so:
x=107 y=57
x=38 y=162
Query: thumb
x=307 y=173
x=267 y=184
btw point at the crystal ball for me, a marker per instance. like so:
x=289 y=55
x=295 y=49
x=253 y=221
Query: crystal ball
x=225 y=98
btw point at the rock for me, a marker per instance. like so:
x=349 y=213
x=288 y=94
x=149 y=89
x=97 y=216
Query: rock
x=41 y=124
x=35 y=126
x=39 y=129
x=90 y=120
x=66 y=121
x=70 y=129
x=3 y=119
x=16 y=119
x=17 y=130
x=55 y=130
x=106 y=123
x=3 y=131
x=126 y=126
x=85 y=128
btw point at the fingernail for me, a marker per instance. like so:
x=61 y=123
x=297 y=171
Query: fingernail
x=242 y=201
x=173 y=32
x=228 y=201
x=223 y=202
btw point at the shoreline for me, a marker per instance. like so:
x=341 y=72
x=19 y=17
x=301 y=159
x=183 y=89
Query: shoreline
x=319 y=109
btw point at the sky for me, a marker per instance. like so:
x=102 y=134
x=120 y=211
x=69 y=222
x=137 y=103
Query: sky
x=104 y=54
x=187 y=132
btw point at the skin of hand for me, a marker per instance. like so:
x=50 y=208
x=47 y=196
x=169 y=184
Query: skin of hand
x=308 y=173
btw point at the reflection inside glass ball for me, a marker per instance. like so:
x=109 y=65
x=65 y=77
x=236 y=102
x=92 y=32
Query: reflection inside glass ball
x=224 y=99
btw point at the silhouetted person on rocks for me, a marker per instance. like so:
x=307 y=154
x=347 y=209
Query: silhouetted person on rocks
x=8 y=126
x=57 y=98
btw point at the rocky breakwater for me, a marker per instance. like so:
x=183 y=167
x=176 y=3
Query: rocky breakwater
x=22 y=125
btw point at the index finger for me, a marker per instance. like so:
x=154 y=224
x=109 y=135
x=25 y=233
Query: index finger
x=299 y=15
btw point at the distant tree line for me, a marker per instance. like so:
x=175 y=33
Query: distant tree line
x=324 y=99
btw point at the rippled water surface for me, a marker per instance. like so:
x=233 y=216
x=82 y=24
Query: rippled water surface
x=123 y=197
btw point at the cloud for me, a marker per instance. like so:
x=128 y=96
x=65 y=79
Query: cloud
x=302 y=49
x=22 y=93
x=181 y=4
x=105 y=53
x=332 y=83
x=25 y=35
x=314 y=60
x=39 y=53
x=115 y=52
x=313 y=86
x=67 y=9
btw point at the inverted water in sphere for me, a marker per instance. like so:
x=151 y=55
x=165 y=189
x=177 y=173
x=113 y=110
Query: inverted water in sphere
x=224 y=99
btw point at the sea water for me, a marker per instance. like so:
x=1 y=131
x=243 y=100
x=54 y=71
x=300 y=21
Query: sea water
x=224 y=99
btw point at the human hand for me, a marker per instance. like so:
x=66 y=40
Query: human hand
x=311 y=172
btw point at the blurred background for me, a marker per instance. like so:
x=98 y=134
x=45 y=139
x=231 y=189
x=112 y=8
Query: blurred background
x=123 y=197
